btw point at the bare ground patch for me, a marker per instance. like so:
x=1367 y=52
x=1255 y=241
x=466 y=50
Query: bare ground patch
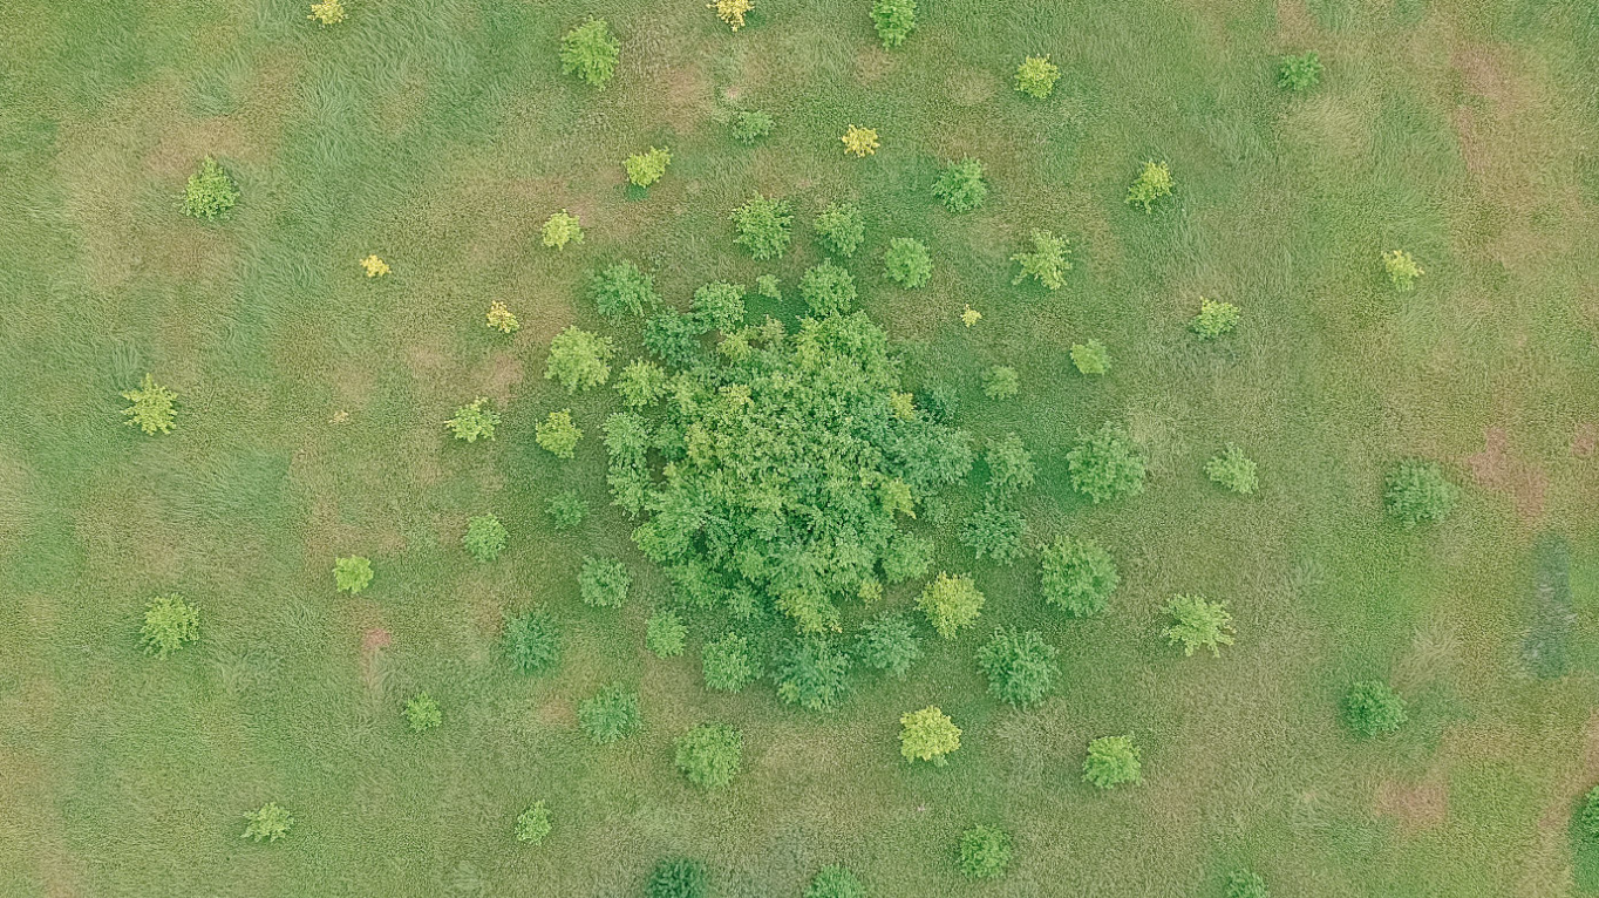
x=1417 y=807
x=1498 y=469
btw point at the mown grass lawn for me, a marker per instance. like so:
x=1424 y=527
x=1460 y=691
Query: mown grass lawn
x=440 y=134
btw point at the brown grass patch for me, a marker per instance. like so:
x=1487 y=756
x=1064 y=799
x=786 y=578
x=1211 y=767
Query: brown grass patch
x=1585 y=439
x=1416 y=806
x=373 y=641
x=1497 y=469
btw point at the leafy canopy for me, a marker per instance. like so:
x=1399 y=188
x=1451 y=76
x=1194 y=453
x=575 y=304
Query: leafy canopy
x=579 y=359
x=352 y=574
x=751 y=126
x=960 y=187
x=1112 y=761
x=622 y=289
x=610 y=714
x=151 y=411
x=557 y=435
x=928 y=735
x=1233 y=471
x=907 y=262
x=678 y=878
x=951 y=603
x=665 y=635
x=811 y=674
x=590 y=52
x=835 y=882
x=1046 y=262
x=1078 y=576
x=889 y=643
x=1373 y=708
x=604 y=582
x=729 y=663
x=1106 y=464
x=1199 y=624
x=894 y=20
x=560 y=229
x=1036 y=77
x=269 y=823
x=533 y=825
x=169 y=622
x=1020 y=666
x=1299 y=73
x=532 y=643
x=1091 y=357
x=1214 y=319
x=984 y=852
x=710 y=755
x=474 y=421
x=644 y=169
x=1402 y=270
x=840 y=228
x=422 y=713
x=1153 y=182
x=209 y=192
x=485 y=537
x=762 y=226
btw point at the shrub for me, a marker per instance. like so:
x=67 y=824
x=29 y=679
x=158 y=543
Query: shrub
x=1299 y=73
x=644 y=169
x=1106 y=464
x=951 y=603
x=907 y=557
x=209 y=192
x=327 y=12
x=835 y=882
x=1417 y=491
x=970 y=316
x=1199 y=624
x=811 y=674
x=665 y=635
x=907 y=262
x=720 y=305
x=840 y=228
x=1000 y=382
x=1090 y=357
x=579 y=359
x=751 y=126
x=1020 y=666
x=374 y=266
x=590 y=52
x=1214 y=319
x=532 y=643
x=675 y=337
x=1112 y=761
x=961 y=187
x=1402 y=270
x=501 y=319
x=622 y=289
x=1233 y=470
x=641 y=383
x=474 y=421
x=610 y=714
x=984 y=852
x=928 y=735
x=352 y=574
x=762 y=226
x=1078 y=576
x=151 y=410
x=710 y=755
x=827 y=289
x=1047 y=262
x=485 y=537
x=560 y=229
x=533 y=824
x=1010 y=465
x=557 y=434
x=1153 y=183
x=729 y=664
x=1373 y=708
x=270 y=823
x=894 y=20
x=1589 y=816
x=732 y=11
x=889 y=643
x=995 y=531
x=766 y=285
x=1036 y=77
x=422 y=713
x=860 y=142
x=678 y=878
x=169 y=622
x=604 y=582
x=1246 y=884
x=567 y=509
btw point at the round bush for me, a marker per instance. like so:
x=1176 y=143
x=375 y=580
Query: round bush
x=1078 y=576
x=907 y=262
x=1112 y=761
x=1418 y=492
x=835 y=882
x=485 y=537
x=827 y=288
x=665 y=635
x=1020 y=666
x=678 y=878
x=984 y=852
x=533 y=824
x=729 y=664
x=961 y=187
x=889 y=643
x=1106 y=464
x=532 y=643
x=1373 y=708
x=604 y=582
x=710 y=755
x=610 y=714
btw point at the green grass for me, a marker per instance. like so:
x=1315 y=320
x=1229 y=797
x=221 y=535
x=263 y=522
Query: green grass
x=440 y=135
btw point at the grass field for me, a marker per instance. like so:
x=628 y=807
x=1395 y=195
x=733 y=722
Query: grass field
x=441 y=133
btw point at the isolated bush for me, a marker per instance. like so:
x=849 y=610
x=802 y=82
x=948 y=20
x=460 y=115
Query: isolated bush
x=1233 y=470
x=1417 y=491
x=751 y=126
x=1299 y=73
x=644 y=169
x=209 y=192
x=1214 y=319
x=557 y=435
x=422 y=713
x=474 y=421
x=1020 y=666
x=811 y=674
x=1106 y=464
x=579 y=359
x=567 y=509
x=889 y=643
x=374 y=266
x=1046 y=261
x=169 y=622
x=1036 y=77
x=1372 y=708
x=1091 y=357
x=1078 y=576
x=604 y=582
x=641 y=383
x=665 y=635
x=907 y=262
x=1199 y=624
x=840 y=228
x=710 y=755
x=970 y=316
x=960 y=187
x=1112 y=761
x=1246 y=884
x=560 y=229
x=720 y=305
x=327 y=12
x=1153 y=183
x=894 y=20
x=485 y=537
x=928 y=735
x=590 y=52
x=532 y=643
x=835 y=882
x=1001 y=382
x=995 y=531
x=732 y=12
x=951 y=603
x=610 y=714
x=622 y=289
x=678 y=878
x=352 y=574
x=762 y=226
x=501 y=318
x=270 y=823
x=1402 y=270
x=1010 y=465
x=827 y=289
x=1588 y=818
x=151 y=410
x=860 y=142
x=984 y=852
x=533 y=825
x=729 y=664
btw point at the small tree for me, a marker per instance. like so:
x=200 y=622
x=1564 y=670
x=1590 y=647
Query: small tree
x=894 y=20
x=532 y=643
x=1046 y=262
x=560 y=229
x=840 y=228
x=970 y=316
x=678 y=878
x=533 y=825
x=729 y=664
x=1106 y=464
x=1372 y=708
x=1246 y=884
x=1079 y=576
x=422 y=713
x=732 y=12
x=485 y=537
x=908 y=263
x=1020 y=666
x=1001 y=382
x=1036 y=77
x=209 y=192
x=1298 y=74
x=590 y=52
x=604 y=582
x=1214 y=319
x=1417 y=492
x=1199 y=624
x=567 y=509
x=1402 y=270
x=352 y=574
x=501 y=318
x=151 y=410
x=995 y=531
x=951 y=603
x=610 y=714
x=641 y=383
x=270 y=823
x=762 y=227
x=1233 y=470
x=889 y=643
x=1112 y=761
x=811 y=674
x=474 y=421
x=327 y=12
x=928 y=735
x=835 y=882
x=748 y=127
x=860 y=142
x=1010 y=465
x=557 y=435
x=827 y=289
x=1153 y=183
x=644 y=169
x=622 y=289
x=579 y=359
x=1090 y=358
x=960 y=187
x=984 y=852
x=710 y=755
x=720 y=305
x=169 y=622
x=665 y=635
x=1589 y=816
x=908 y=556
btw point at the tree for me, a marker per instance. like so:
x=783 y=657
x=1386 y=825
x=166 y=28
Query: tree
x=710 y=755
x=720 y=305
x=610 y=714
x=1402 y=270
x=1036 y=77
x=928 y=735
x=1106 y=464
x=169 y=622
x=860 y=142
x=1047 y=262
x=906 y=557
x=951 y=603
x=1417 y=492
x=209 y=192
x=996 y=531
x=622 y=289
x=566 y=509
x=644 y=169
x=1090 y=357
x=560 y=229
x=1153 y=183
x=1020 y=666
x=1233 y=470
x=840 y=228
x=641 y=383
x=907 y=262
x=604 y=582
x=352 y=574
x=270 y=823
x=732 y=12
x=1112 y=761
x=485 y=537
x=762 y=227
x=748 y=127
x=1078 y=576
x=1372 y=708
x=835 y=882
x=533 y=825
x=579 y=359
x=678 y=878
x=1214 y=319
x=422 y=713
x=1000 y=382
x=557 y=434
x=729 y=664
x=889 y=643
x=827 y=289
x=474 y=421
x=811 y=674
x=665 y=635
x=1297 y=74
x=1199 y=624
x=984 y=852
x=894 y=20
x=590 y=52
x=532 y=643
x=675 y=337
x=1010 y=465
x=960 y=187
x=151 y=411
x=500 y=317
